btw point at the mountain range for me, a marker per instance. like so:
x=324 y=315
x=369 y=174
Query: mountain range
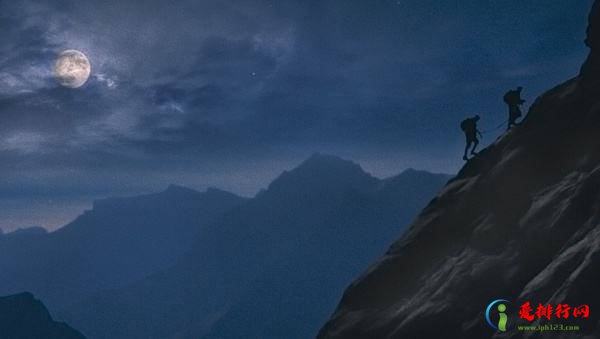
x=181 y=263
x=119 y=241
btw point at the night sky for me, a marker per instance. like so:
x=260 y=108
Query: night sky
x=230 y=93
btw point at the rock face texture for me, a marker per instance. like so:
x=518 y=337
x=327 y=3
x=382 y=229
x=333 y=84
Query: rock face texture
x=24 y=317
x=521 y=222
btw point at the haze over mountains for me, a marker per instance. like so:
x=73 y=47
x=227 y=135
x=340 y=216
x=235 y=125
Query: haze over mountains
x=520 y=222
x=119 y=241
x=186 y=264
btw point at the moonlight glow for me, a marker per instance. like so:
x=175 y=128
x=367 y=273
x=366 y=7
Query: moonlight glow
x=72 y=68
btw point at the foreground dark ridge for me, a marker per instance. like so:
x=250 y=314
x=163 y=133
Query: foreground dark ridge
x=521 y=221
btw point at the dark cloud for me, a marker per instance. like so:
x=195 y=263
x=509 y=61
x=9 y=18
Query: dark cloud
x=179 y=87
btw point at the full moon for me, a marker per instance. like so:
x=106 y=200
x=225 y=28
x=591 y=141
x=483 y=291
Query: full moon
x=72 y=68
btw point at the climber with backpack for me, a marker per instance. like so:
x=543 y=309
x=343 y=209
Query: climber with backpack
x=469 y=126
x=513 y=99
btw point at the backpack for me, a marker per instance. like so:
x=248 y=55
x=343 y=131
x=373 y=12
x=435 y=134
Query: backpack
x=464 y=125
x=509 y=97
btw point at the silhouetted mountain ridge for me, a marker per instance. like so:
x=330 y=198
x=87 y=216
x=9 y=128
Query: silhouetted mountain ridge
x=288 y=249
x=321 y=174
x=117 y=242
x=174 y=194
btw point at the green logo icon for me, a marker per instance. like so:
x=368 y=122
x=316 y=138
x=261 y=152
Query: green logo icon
x=503 y=318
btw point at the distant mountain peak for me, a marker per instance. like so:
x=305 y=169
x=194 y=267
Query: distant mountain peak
x=329 y=161
x=326 y=164
x=324 y=172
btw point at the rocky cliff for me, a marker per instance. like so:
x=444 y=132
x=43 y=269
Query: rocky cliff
x=520 y=222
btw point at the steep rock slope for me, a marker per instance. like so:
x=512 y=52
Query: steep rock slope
x=24 y=317
x=521 y=222
x=273 y=267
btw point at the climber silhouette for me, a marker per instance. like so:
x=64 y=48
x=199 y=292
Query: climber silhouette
x=469 y=126
x=513 y=99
